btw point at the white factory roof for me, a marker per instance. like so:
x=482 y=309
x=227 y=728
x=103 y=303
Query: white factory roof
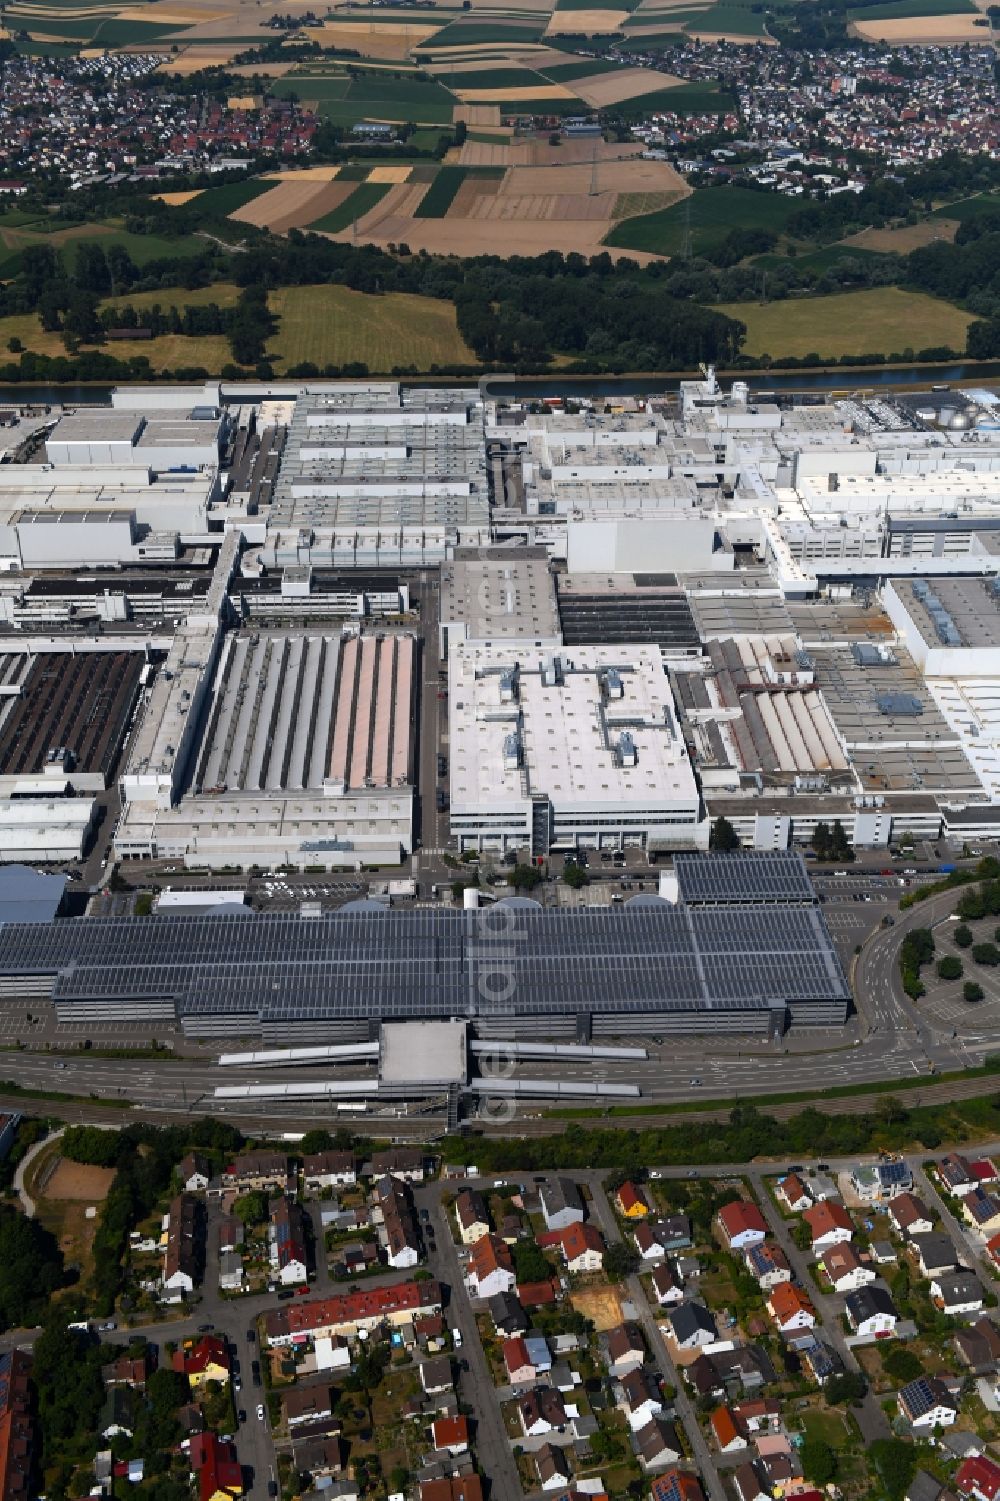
x=569 y=731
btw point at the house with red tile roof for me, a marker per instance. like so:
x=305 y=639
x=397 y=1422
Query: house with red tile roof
x=741 y=1224
x=829 y=1223
x=491 y=1268
x=979 y=1478
x=727 y=1435
x=214 y=1461
x=451 y=1434
x=631 y=1203
x=790 y=1308
x=792 y=1193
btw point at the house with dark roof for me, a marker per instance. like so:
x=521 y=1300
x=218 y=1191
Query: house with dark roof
x=927 y=1404
x=656 y=1445
x=935 y=1253
x=979 y=1346
x=957 y=1292
x=691 y=1325
x=871 y=1311
x=910 y=1215
x=561 y=1203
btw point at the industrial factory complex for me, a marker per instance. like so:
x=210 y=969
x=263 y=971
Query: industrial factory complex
x=377 y=632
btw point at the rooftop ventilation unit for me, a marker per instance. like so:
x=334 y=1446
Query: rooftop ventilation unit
x=613 y=683
x=626 y=749
x=511 y=751
x=508 y=686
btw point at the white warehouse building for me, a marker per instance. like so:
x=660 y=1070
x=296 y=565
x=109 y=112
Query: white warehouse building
x=568 y=750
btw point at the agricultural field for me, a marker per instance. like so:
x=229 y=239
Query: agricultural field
x=325 y=324
x=882 y=321
x=68 y=1196
x=521 y=198
x=707 y=216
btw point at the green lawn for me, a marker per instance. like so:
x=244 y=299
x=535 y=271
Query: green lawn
x=364 y=198
x=711 y=213
x=880 y=321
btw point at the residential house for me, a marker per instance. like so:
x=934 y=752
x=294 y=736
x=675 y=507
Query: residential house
x=393 y=1205
x=491 y=1268
x=935 y=1254
x=537 y=1294
x=910 y=1215
x=821 y=1361
x=993 y=1249
x=978 y=1477
x=125 y=1371
x=194 y=1172
x=927 y=1404
x=347 y=1313
x=692 y=1326
x=763 y=1415
x=204 y=1360
x=741 y=1224
x=727 y=1435
x=261 y=1172
x=521 y=1369
x=561 y=1203
x=287 y=1242
x=880 y=1182
x=471 y=1216
x=436 y=1376
x=214 y=1461
x=631 y=1203
x=638 y=1399
x=451 y=1434
x=979 y=1347
x=829 y=1224
x=450 y=1488
x=982 y=1209
x=845 y=1269
x=792 y=1194
x=18 y=1435
x=676 y=1485
x=319 y=1455
x=666 y=1286
x=790 y=1308
x=674 y=1232
x=956 y=1174
x=625 y=1350
x=231 y=1233
x=540 y=1411
x=328 y=1170
x=307 y=1404
x=181 y=1261
x=747 y=1485
x=507 y=1314
x=767 y=1264
x=925 y=1487
x=657 y=1445
x=648 y=1243
x=552 y=1468
x=404 y=1163
x=583 y=1248
x=871 y=1311
x=882 y=1252
x=957 y=1292
x=117 y=1416
x=231 y=1271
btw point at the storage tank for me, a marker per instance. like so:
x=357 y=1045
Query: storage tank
x=470 y=898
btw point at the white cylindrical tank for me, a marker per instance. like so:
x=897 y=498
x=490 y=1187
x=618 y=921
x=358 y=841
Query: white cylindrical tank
x=470 y=898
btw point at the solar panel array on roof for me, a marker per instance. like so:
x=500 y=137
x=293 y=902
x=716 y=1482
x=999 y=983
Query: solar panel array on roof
x=418 y=963
x=778 y=876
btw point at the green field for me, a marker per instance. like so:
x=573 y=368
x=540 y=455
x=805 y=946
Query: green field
x=471 y=33
x=881 y=321
x=324 y=324
x=493 y=78
x=711 y=213
x=903 y=10
x=686 y=98
x=364 y=198
x=818 y=260
x=968 y=208
x=441 y=194
x=377 y=96
x=229 y=196
x=729 y=19
x=583 y=67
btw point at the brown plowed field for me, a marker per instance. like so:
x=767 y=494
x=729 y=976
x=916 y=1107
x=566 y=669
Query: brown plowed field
x=463 y=205
x=484 y=154
x=392 y=218
x=542 y=208
x=293 y=205
x=603 y=89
